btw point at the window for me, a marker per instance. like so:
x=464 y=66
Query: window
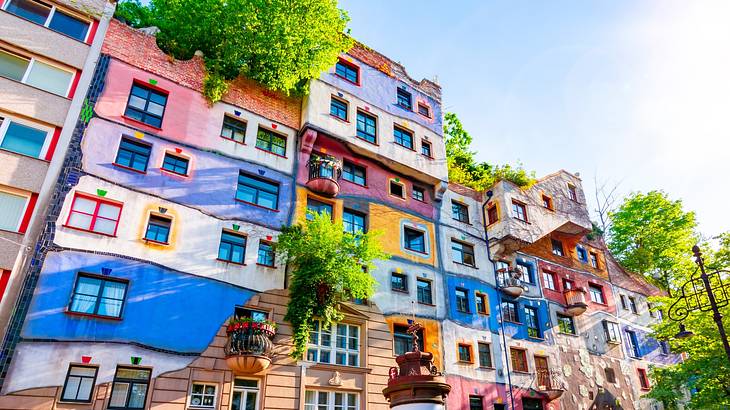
x=158 y=229
x=79 y=384
x=202 y=395
x=462 y=253
x=424 y=291
x=612 y=332
x=582 y=253
x=481 y=300
x=509 y=312
x=233 y=129
x=460 y=212
x=464 y=353
x=339 y=344
x=424 y=110
x=270 y=141
x=354 y=222
x=133 y=154
x=257 y=191
x=397 y=189
x=317 y=207
x=547 y=202
x=518 y=359
x=528 y=271
x=129 y=390
x=36 y=73
x=634 y=349
x=266 y=255
x=12 y=208
x=94 y=214
x=399 y=282
x=596 y=293
x=549 y=279
x=572 y=193
x=232 y=247
x=519 y=211
x=462 y=300
x=175 y=164
x=146 y=105
x=475 y=403
x=594 y=260
x=632 y=305
x=418 y=193
x=257 y=315
x=323 y=400
x=557 y=247
x=664 y=346
x=403 y=341
x=643 y=379
x=245 y=394
x=403 y=137
x=414 y=240
x=404 y=99
x=492 y=214
x=353 y=173
x=50 y=17
x=566 y=324
x=349 y=72
x=366 y=127
x=568 y=284
x=485 y=355
x=610 y=375
x=624 y=303
x=338 y=109
x=426 y=149
x=533 y=325
x=22 y=139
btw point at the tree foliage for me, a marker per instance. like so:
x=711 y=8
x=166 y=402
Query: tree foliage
x=465 y=170
x=652 y=235
x=280 y=43
x=328 y=266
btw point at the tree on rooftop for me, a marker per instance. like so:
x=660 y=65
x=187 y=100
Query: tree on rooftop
x=280 y=43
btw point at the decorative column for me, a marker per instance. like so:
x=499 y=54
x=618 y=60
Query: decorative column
x=416 y=384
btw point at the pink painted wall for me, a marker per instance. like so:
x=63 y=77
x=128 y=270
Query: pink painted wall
x=462 y=388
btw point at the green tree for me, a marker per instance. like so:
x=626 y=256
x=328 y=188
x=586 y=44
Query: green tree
x=327 y=267
x=280 y=43
x=652 y=235
x=463 y=168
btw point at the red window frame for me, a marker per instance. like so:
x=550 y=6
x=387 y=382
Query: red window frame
x=95 y=215
x=352 y=66
x=643 y=379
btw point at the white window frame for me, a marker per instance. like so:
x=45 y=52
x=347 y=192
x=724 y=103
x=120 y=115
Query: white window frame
x=51 y=13
x=332 y=348
x=17 y=192
x=330 y=405
x=31 y=62
x=245 y=390
x=5 y=124
x=203 y=395
x=612 y=327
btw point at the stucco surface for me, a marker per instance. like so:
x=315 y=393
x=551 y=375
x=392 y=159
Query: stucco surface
x=32 y=102
x=22 y=172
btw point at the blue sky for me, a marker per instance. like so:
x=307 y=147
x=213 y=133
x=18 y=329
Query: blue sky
x=630 y=92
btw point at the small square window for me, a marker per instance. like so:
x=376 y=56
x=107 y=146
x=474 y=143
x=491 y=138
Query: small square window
x=462 y=253
x=462 y=300
x=232 y=247
x=202 y=395
x=403 y=341
x=568 y=284
x=547 y=202
x=347 y=71
x=581 y=253
x=414 y=240
x=404 y=99
x=399 y=282
x=464 y=353
x=557 y=247
x=175 y=164
x=475 y=403
x=572 y=193
x=424 y=110
x=146 y=105
x=566 y=324
x=354 y=222
x=233 y=129
x=426 y=149
x=158 y=229
x=79 y=384
x=98 y=296
x=594 y=260
x=318 y=207
x=266 y=255
x=367 y=127
x=424 y=291
x=549 y=279
x=270 y=141
x=403 y=137
x=397 y=189
x=459 y=212
x=596 y=293
x=509 y=312
x=492 y=214
x=481 y=301
x=419 y=194
x=519 y=211
x=610 y=375
x=338 y=108
x=519 y=360
x=133 y=154
x=354 y=173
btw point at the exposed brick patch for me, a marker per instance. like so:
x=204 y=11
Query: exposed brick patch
x=140 y=50
x=466 y=191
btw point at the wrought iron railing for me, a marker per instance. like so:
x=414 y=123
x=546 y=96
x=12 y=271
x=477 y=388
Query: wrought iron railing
x=251 y=338
x=324 y=168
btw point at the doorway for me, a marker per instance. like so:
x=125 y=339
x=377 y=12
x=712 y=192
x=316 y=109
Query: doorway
x=543 y=373
x=531 y=404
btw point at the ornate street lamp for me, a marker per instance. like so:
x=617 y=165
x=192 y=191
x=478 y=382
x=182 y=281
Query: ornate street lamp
x=703 y=293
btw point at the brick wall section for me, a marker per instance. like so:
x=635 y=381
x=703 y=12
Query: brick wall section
x=140 y=50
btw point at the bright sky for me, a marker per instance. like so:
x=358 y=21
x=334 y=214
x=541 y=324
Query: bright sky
x=632 y=92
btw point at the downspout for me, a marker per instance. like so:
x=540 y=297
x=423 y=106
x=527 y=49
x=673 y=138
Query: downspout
x=499 y=297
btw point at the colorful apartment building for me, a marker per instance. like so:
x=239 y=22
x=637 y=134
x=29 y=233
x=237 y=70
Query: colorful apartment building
x=155 y=282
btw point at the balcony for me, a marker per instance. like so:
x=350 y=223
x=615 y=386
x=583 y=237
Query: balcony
x=510 y=282
x=548 y=384
x=323 y=175
x=249 y=346
x=575 y=300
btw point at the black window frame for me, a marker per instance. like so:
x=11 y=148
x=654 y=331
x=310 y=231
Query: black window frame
x=68 y=376
x=233 y=245
x=175 y=161
x=350 y=173
x=532 y=322
x=402 y=278
x=347 y=68
x=528 y=272
x=633 y=306
x=104 y=280
x=130 y=382
x=462 y=301
x=268 y=253
x=481 y=302
x=404 y=99
x=133 y=154
x=418 y=193
x=409 y=231
x=364 y=121
x=465 y=250
x=426 y=149
x=399 y=137
x=423 y=109
x=159 y=221
x=459 y=212
x=234 y=125
x=466 y=349
x=267 y=143
x=424 y=295
x=610 y=374
x=509 y=311
x=557 y=247
x=400 y=186
x=358 y=214
x=340 y=108
x=486 y=364
x=144 y=113
x=402 y=337
x=476 y=402
x=266 y=182
x=316 y=206
x=566 y=324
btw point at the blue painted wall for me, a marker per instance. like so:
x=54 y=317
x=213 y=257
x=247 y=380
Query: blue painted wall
x=519 y=331
x=649 y=348
x=163 y=309
x=472 y=319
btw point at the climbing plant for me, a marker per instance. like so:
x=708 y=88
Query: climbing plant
x=282 y=44
x=327 y=267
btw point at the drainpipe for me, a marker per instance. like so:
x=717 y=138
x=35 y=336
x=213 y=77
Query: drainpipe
x=499 y=297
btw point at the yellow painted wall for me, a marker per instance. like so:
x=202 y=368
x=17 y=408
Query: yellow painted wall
x=431 y=331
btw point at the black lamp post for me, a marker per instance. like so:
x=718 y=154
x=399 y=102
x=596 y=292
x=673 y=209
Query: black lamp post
x=704 y=293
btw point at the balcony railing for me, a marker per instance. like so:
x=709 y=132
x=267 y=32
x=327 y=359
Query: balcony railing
x=510 y=282
x=323 y=175
x=249 y=346
x=575 y=301
x=548 y=383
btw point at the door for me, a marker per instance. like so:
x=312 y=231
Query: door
x=531 y=404
x=543 y=373
x=245 y=395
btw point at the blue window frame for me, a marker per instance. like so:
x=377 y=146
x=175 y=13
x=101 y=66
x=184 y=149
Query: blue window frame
x=233 y=129
x=462 y=300
x=403 y=137
x=133 y=154
x=366 y=127
x=349 y=72
x=582 y=253
x=354 y=222
x=318 y=207
x=158 y=229
x=415 y=240
x=509 y=312
x=146 y=105
x=93 y=295
x=533 y=325
x=635 y=350
x=173 y=163
x=338 y=108
x=270 y=141
x=232 y=247
x=354 y=173
x=405 y=99
x=22 y=138
x=257 y=191
x=39 y=13
x=528 y=271
x=266 y=254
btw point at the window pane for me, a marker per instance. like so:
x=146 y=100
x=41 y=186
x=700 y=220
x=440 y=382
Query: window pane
x=83 y=371
x=119 y=394
x=69 y=26
x=49 y=78
x=72 y=386
x=11 y=210
x=137 y=397
x=109 y=211
x=24 y=140
x=30 y=10
x=12 y=66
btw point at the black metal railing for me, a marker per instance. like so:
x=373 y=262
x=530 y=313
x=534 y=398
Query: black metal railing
x=250 y=340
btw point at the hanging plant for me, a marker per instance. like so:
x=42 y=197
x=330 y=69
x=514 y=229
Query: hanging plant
x=328 y=267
